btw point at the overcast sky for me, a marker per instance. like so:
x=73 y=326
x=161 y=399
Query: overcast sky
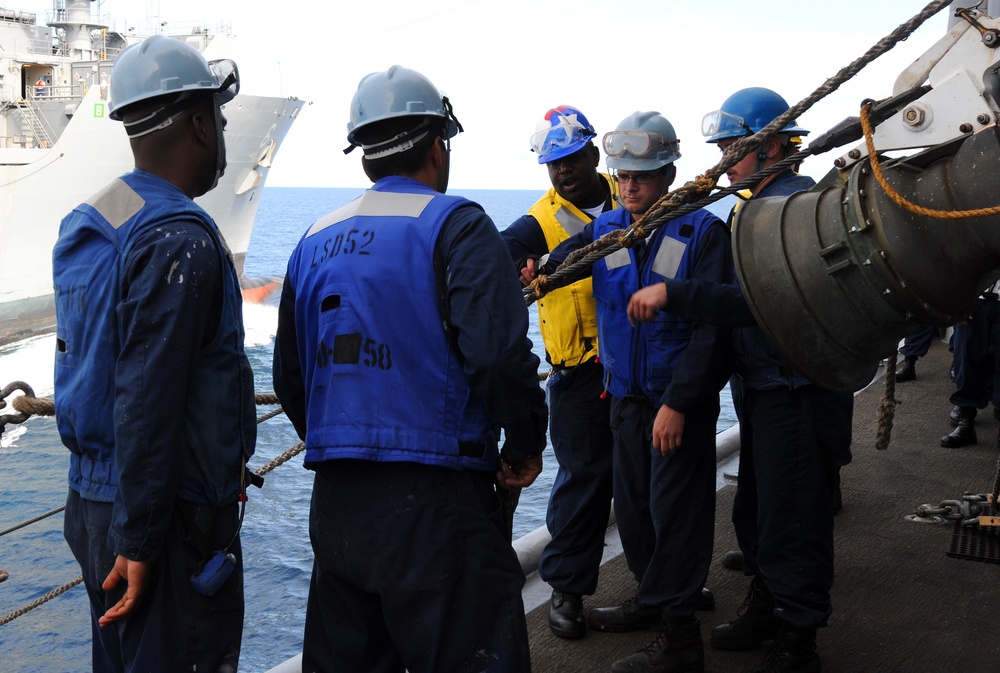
x=503 y=64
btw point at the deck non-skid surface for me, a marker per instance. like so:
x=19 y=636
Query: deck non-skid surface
x=900 y=603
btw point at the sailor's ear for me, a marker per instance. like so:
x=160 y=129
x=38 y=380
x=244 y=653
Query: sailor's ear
x=364 y=165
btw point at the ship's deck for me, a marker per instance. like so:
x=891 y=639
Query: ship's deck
x=900 y=602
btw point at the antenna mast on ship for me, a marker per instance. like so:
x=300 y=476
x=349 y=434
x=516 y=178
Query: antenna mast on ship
x=74 y=19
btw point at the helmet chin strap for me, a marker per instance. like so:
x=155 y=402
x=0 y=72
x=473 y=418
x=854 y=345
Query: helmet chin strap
x=220 y=144
x=761 y=158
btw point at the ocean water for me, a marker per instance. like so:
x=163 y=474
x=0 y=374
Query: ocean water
x=55 y=638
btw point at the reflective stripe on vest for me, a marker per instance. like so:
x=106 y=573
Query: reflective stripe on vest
x=567 y=317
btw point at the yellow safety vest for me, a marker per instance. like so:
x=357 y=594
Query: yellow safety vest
x=567 y=317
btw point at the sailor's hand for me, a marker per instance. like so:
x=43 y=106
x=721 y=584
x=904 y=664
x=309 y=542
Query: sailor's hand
x=519 y=475
x=528 y=271
x=668 y=428
x=135 y=574
x=646 y=303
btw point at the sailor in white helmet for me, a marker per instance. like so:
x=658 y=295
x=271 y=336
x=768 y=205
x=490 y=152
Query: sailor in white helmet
x=664 y=379
x=153 y=390
x=401 y=352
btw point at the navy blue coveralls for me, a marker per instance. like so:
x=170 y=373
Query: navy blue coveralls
x=580 y=428
x=154 y=399
x=412 y=569
x=793 y=436
x=976 y=344
x=917 y=344
x=664 y=506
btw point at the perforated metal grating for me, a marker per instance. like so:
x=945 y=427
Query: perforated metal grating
x=974 y=543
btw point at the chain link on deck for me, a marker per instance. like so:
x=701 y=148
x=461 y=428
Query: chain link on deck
x=968 y=509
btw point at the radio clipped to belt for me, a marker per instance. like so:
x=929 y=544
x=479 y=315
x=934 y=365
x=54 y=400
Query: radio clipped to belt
x=219 y=564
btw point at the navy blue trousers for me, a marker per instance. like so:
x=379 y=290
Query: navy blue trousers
x=917 y=344
x=791 y=443
x=975 y=346
x=412 y=571
x=580 y=501
x=665 y=506
x=173 y=628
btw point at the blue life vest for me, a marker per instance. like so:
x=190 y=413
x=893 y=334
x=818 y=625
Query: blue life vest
x=759 y=364
x=640 y=360
x=88 y=268
x=383 y=380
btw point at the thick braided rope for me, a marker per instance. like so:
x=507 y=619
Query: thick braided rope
x=887 y=408
x=281 y=460
x=898 y=198
x=34 y=406
x=577 y=264
x=44 y=406
x=6 y=619
x=32 y=520
x=733 y=155
x=744 y=146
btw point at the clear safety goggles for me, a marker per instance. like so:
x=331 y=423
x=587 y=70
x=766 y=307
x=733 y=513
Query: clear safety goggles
x=564 y=135
x=720 y=122
x=640 y=144
x=228 y=75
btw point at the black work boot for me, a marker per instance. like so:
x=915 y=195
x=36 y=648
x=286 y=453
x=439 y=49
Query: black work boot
x=965 y=428
x=754 y=624
x=677 y=649
x=629 y=616
x=793 y=651
x=733 y=559
x=707 y=599
x=907 y=371
x=566 y=615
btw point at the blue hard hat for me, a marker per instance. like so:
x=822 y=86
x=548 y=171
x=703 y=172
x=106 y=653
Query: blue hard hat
x=563 y=131
x=746 y=112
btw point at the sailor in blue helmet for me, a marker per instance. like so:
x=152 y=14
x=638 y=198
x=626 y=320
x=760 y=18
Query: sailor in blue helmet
x=663 y=379
x=794 y=435
x=579 y=415
x=401 y=353
x=154 y=394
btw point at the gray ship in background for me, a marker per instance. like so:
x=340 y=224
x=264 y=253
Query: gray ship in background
x=58 y=146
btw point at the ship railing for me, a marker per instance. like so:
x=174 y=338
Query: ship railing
x=61 y=92
x=15 y=16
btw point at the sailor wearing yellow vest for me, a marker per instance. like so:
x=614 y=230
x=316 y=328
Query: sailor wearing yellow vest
x=580 y=502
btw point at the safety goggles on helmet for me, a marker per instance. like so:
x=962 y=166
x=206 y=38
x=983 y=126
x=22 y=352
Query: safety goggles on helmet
x=564 y=135
x=640 y=144
x=228 y=74
x=724 y=125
